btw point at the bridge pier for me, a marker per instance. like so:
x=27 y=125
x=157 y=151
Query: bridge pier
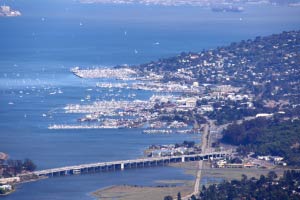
x=111 y=168
x=160 y=163
x=90 y=169
x=97 y=169
x=63 y=173
x=167 y=161
x=103 y=168
x=49 y=174
x=56 y=174
x=133 y=165
x=147 y=164
x=139 y=164
x=126 y=165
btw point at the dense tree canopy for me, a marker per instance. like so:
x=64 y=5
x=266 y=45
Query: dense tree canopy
x=266 y=137
x=266 y=187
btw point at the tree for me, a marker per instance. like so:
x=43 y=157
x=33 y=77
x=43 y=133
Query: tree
x=189 y=143
x=272 y=175
x=168 y=198
x=244 y=178
x=17 y=165
x=178 y=196
x=29 y=165
x=2 y=191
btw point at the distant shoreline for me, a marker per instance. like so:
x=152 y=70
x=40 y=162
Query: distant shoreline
x=198 y=3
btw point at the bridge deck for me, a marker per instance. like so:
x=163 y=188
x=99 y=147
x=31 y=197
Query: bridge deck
x=184 y=158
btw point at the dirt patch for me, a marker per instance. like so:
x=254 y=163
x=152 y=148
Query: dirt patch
x=168 y=187
x=126 y=192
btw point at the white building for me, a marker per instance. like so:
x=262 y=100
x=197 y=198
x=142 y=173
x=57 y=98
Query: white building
x=221 y=163
x=277 y=158
x=207 y=108
x=266 y=115
x=267 y=158
x=195 y=84
x=6 y=187
x=191 y=102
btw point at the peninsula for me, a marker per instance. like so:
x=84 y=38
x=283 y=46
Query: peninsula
x=228 y=89
x=251 y=78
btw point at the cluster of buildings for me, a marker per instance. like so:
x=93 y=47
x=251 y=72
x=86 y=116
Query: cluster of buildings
x=277 y=160
x=160 y=113
x=217 y=81
x=251 y=162
x=193 y=87
x=240 y=65
x=171 y=150
x=225 y=164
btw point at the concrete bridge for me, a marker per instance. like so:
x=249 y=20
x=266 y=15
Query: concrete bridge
x=127 y=164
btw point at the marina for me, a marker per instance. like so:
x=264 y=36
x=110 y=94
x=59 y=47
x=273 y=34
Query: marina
x=171 y=87
x=102 y=72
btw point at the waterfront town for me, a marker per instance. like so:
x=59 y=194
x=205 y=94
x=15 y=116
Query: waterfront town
x=235 y=97
x=218 y=87
x=174 y=110
x=226 y=85
x=186 y=148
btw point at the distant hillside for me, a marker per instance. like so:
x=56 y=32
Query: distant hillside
x=267 y=67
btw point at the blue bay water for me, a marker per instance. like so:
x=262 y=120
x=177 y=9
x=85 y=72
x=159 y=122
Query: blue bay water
x=38 y=50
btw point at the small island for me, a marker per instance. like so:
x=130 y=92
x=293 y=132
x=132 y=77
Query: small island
x=6 y=11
